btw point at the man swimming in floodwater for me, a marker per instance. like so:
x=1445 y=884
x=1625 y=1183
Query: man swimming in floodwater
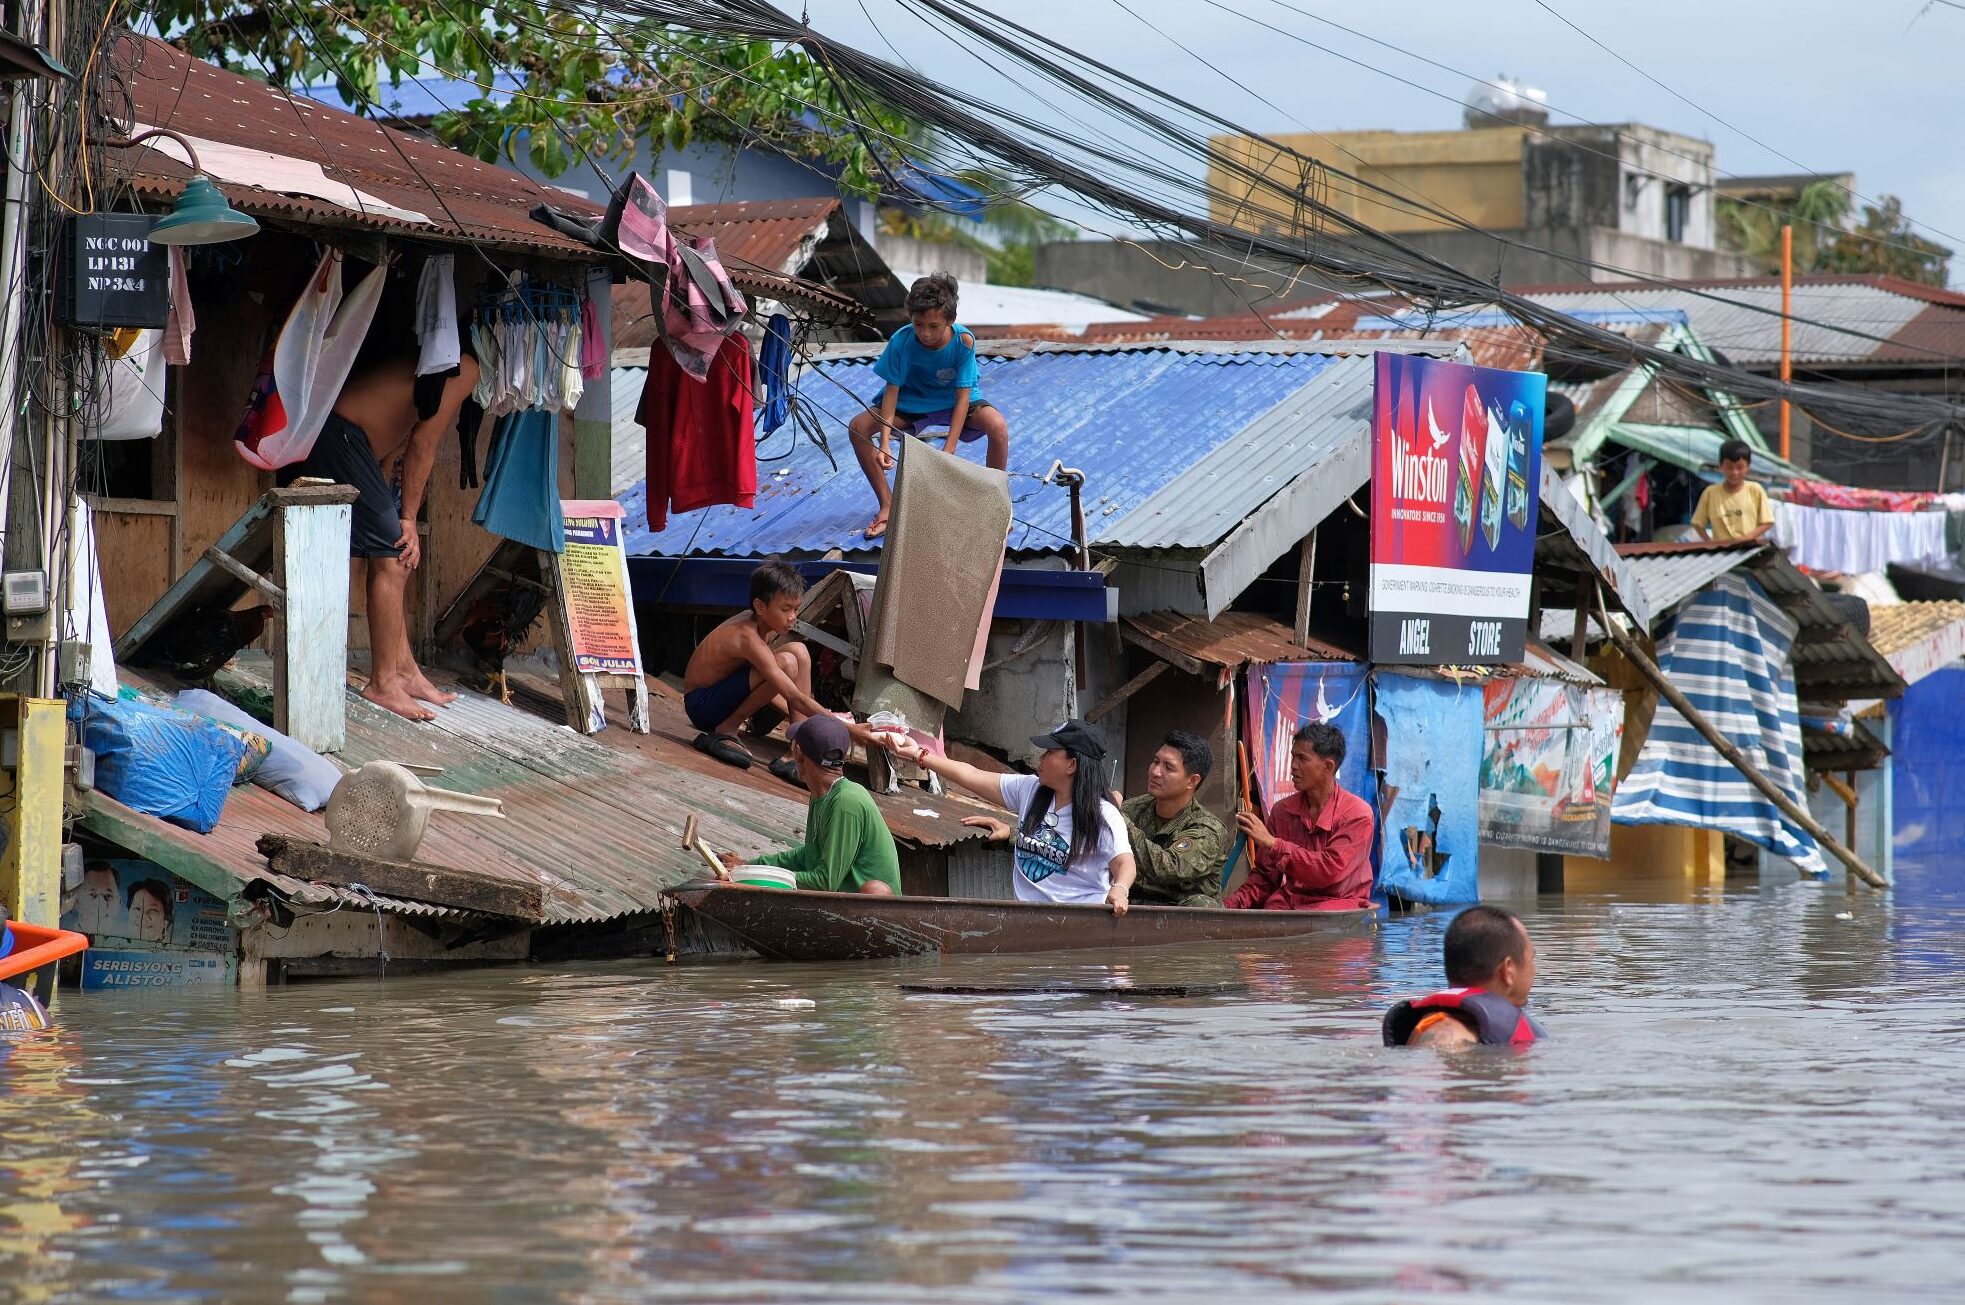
x=1490 y=961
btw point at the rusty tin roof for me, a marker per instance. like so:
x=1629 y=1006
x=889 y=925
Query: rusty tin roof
x=596 y=820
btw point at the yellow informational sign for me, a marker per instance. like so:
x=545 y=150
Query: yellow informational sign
x=599 y=613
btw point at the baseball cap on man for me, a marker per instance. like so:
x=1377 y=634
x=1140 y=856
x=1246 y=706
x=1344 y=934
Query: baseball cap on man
x=1075 y=737
x=823 y=739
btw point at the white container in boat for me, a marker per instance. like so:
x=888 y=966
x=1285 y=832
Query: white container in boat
x=764 y=876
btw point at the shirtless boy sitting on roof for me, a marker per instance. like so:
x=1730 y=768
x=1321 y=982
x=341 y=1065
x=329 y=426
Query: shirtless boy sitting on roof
x=734 y=674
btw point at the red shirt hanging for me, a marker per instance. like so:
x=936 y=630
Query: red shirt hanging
x=701 y=446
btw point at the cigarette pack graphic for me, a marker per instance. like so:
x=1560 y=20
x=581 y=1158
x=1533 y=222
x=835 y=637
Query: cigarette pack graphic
x=1495 y=473
x=1467 y=485
x=1518 y=431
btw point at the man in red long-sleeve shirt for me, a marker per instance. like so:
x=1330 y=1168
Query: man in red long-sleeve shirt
x=1314 y=853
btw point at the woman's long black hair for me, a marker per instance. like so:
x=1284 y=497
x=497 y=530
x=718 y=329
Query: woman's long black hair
x=1087 y=815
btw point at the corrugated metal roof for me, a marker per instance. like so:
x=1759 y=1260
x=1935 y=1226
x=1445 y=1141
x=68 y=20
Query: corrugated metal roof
x=1492 y=345
x=1135 y=420
x=989 y=304
x=1833 y=660
x=1669 y=574
x=467 y=200
x=628 y=452
x=1216 y=491
x=596 y=821
x=1858 y=749
x=1582 y=548
x=1748 y=328
x=472 y=201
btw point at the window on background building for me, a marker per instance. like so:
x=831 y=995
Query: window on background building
x=680 y=188
x=1633 y=190
x=1678 y=210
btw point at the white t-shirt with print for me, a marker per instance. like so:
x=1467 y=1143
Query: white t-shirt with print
x=1045 y=869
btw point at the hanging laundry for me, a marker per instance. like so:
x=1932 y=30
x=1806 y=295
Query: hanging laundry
x=308 y=367
x=426 y=392
x=774 y=361
x=527 y=340
x=469 y=418
x=1823 y=494
x=182 y=322
x=1852 y=542
x=520 y=499
x=129 y=399
x=701 y=438
x=594 y=359
x=436 y=315
x=695 y=303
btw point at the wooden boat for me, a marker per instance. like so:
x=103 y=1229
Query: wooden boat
x=783 y=925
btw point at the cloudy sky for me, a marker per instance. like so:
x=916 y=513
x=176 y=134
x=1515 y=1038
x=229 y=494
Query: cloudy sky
x=1868 y=86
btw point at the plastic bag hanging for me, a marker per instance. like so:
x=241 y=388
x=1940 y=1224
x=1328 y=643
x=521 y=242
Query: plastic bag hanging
x=310 y=365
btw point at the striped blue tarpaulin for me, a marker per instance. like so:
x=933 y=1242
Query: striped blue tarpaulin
x=1728 y=653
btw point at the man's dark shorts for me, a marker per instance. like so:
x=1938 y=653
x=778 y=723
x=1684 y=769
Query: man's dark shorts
x=343 y=454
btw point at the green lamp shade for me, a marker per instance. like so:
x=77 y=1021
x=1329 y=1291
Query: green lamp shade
x=201 y=217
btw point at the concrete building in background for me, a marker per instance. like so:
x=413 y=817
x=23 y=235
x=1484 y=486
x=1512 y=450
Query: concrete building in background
x=1565 y=203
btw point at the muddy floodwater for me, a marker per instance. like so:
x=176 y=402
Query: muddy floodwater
x=1751 y=1095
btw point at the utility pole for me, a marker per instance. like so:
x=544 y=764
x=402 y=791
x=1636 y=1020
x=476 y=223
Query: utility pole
x=1787 y=337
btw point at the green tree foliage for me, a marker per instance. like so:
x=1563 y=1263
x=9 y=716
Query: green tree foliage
x=588 y=87
x=1826 y=240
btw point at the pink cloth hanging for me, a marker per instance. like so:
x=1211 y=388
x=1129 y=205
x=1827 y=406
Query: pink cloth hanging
x=182 y=322
x=694 y=300
x=593 y=350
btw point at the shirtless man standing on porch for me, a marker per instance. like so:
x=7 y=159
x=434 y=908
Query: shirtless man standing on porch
x=387 y=413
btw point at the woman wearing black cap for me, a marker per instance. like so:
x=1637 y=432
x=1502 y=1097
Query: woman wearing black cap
x=1058 y=859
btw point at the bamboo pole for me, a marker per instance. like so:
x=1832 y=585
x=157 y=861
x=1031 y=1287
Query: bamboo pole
x=1737 y=759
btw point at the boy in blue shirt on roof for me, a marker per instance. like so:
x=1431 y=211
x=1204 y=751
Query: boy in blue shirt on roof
x=930 y=370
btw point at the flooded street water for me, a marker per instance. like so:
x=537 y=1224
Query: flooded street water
x=1747 y=1097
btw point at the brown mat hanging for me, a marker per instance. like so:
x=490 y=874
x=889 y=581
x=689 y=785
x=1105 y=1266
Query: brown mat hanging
x=939 y=570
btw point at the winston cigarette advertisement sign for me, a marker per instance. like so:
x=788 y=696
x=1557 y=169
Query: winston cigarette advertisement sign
x=1455 y=473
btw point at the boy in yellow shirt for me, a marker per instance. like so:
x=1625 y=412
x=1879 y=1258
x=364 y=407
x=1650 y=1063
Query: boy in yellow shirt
x=1736 y=509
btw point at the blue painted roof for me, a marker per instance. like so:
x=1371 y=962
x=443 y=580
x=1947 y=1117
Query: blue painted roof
x=1133 y=420
x=425 y=97
x=419 y=97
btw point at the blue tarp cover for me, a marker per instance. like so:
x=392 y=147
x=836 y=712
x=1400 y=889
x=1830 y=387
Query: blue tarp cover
x=1728 y=652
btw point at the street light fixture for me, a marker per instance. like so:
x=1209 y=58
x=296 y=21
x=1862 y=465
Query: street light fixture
x=201 y=215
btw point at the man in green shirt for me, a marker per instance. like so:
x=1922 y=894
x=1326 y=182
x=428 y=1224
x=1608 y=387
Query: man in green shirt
x=847 y=847
x=1177 y=841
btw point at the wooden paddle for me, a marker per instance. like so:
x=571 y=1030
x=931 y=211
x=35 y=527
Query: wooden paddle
x=701 y=847
x=1248 y=804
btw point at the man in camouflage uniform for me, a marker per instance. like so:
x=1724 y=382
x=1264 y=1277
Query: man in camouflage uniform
x=1177 y=842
